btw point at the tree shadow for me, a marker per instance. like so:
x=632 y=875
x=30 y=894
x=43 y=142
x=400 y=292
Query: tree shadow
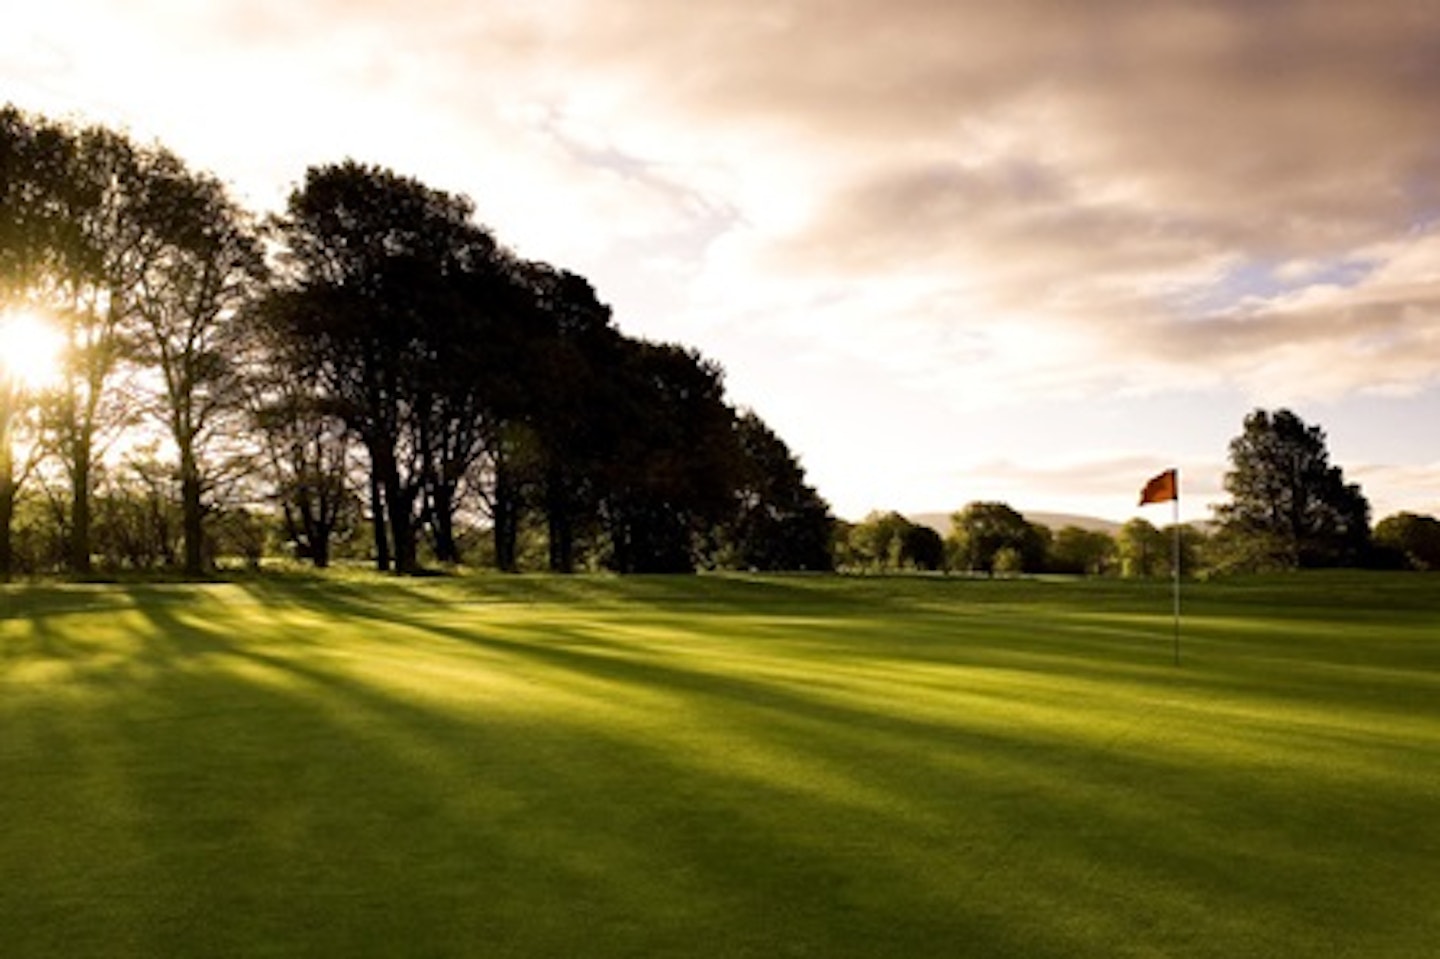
x=440 y=767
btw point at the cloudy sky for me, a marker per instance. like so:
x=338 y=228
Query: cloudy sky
x=950 y=249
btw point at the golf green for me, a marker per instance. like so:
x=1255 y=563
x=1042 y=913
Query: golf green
x=352 y=765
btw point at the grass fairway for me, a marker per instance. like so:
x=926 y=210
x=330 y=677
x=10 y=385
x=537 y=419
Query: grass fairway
x=487 y=766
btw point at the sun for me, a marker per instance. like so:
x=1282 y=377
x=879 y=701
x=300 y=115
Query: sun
x=30 y=349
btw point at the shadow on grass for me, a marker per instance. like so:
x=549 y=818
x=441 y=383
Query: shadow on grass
x=468 y=769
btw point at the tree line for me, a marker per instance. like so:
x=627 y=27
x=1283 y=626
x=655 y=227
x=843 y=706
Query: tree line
x=1289 y=508
x=370 y=365
x=371 y=373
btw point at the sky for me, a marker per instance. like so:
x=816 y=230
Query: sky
x=950 y=250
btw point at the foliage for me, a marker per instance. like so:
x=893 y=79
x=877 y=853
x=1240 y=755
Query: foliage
x=888 y=542
x=779 y=521
x=186 y=328
x=1082 y=551
x=981 y=531
x=380 y=306
x=145 y=264
x=668 y=479
x=1413 y=538
x=1289 y=507
x=137 y=515
x=1144 y=550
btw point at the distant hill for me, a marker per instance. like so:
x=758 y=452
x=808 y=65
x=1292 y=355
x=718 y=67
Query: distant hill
x=940 y=522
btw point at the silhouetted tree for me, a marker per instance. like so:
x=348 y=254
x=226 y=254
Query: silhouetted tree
x=922 y=548
x=570 y=405
x=470 y=379
x=477 y=319
x=780 y=522
x=1287 y=501
x=369 y=301
x=308 y=456
x=75 y=246
x=669 y=478
x=188 y=298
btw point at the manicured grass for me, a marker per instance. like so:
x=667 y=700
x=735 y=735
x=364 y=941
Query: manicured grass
x=720 y=766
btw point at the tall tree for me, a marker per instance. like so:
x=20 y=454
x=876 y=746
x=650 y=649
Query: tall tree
x=568 y=400
x=477 y=321
x=32 y=158
x=188 y=299
x=1287 y=501
x=671 y=474
x=98 y=250
x=364 y=299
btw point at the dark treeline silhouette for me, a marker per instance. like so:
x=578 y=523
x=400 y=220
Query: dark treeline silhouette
x=368 y=358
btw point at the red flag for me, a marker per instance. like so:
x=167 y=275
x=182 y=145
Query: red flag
x=1161 y=489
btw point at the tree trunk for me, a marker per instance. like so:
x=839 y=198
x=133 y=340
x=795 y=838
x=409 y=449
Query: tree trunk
x=402 y=528
x=377 y=519
x=7 y=510
x=320 y=547
x=442 y=522
x=506 y=520
x=80 y=511
x=397 y=505
x=560 y=520
x=193 y=515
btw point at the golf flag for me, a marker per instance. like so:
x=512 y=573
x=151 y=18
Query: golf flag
x=1161 y=489
x=1165 y=488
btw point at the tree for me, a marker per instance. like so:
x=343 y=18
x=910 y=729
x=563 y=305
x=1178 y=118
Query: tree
x=137 y=522
x=670 y=477
x=981 y=530
x=1082 y=551
x=922 y=548
x=877 y=542
x=75 y=246
x=188 y=299
x=1287 y=502
x=780 y=522
x=387 y=322
x=32 y=156
x=308 y=455
x=374 y=309
x=475 y=318
x=1414 y=538
x=566 y=402
x=1144 y=550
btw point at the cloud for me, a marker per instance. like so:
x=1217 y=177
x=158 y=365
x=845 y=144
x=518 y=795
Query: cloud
x=1089 y=168
x=968 y=207
x=1392 y=488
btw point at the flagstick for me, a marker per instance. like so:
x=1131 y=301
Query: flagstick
x=1175 y=565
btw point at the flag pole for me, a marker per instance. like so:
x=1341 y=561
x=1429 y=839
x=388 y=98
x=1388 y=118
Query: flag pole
x=1158 y=490
x=1175 y=565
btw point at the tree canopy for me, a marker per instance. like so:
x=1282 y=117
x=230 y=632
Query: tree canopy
x=1289 y=507
x=371 y=353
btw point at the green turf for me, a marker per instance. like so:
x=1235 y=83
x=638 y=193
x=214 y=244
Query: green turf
x=531 y=766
